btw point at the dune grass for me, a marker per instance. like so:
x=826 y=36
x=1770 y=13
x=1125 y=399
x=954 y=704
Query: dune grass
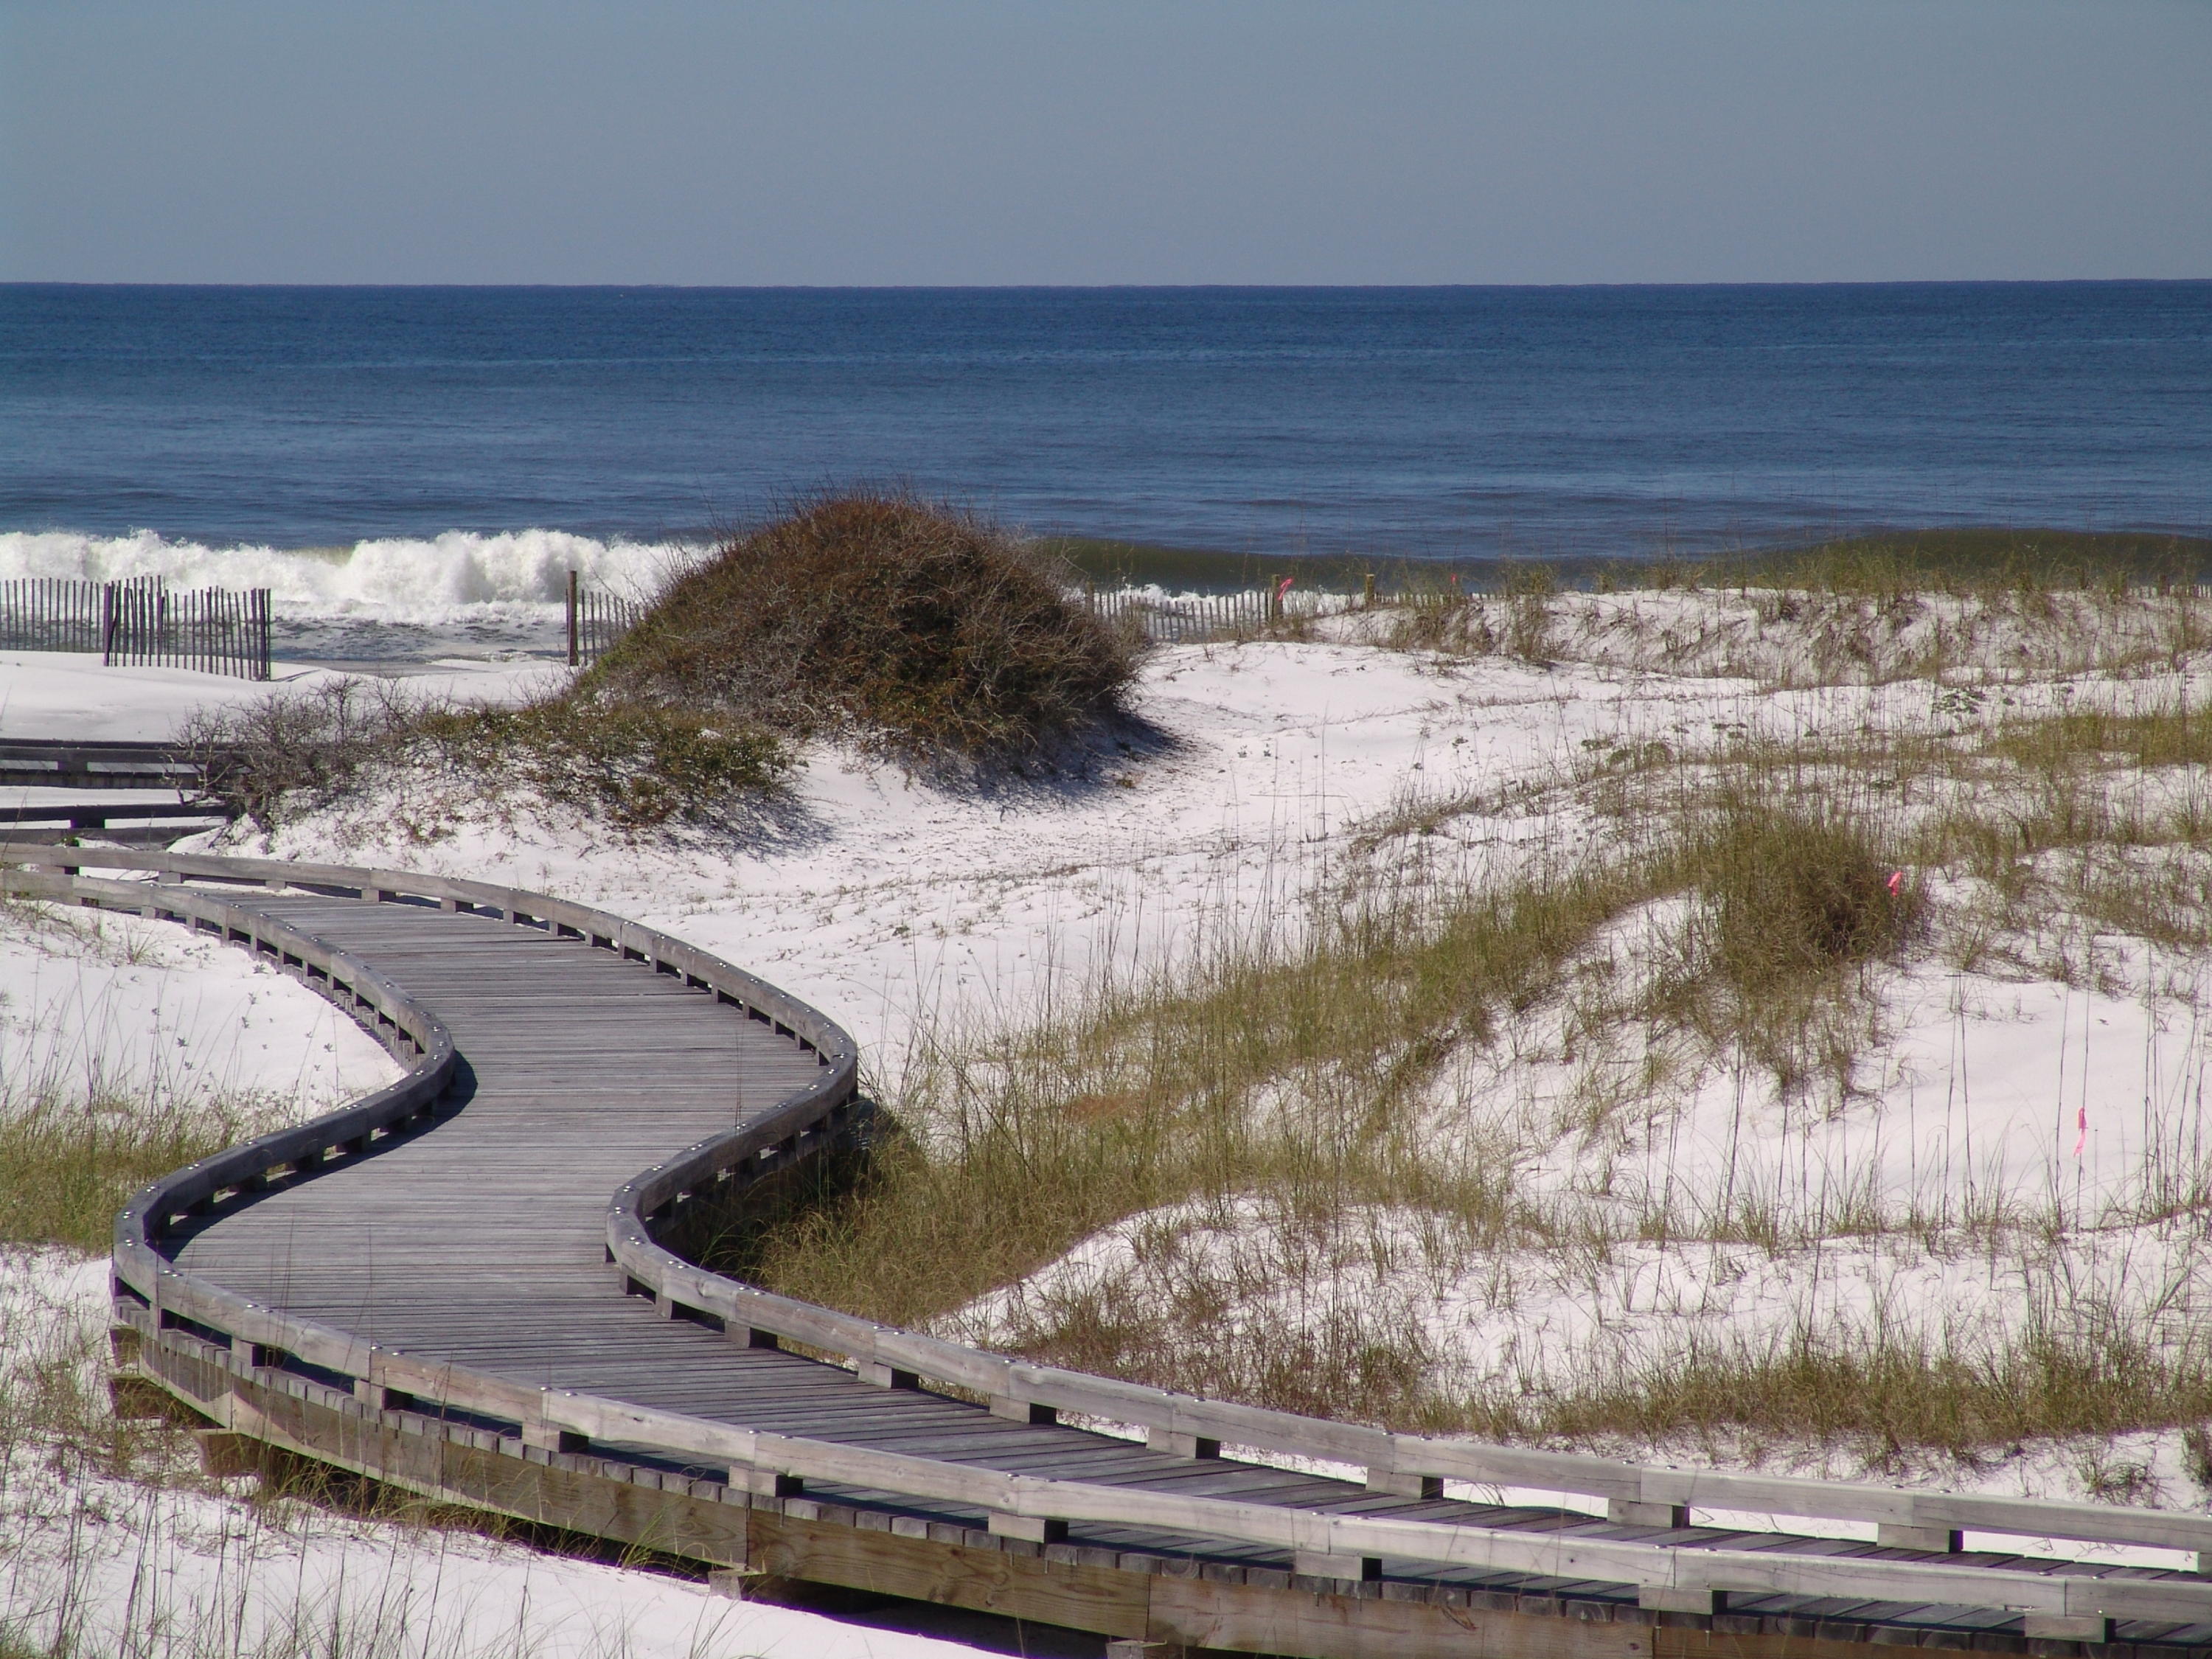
x=1955 y=560
x=1966 y=561
x=1143 y=1095
x=67 y=1166
x=635 y=768
x=1739 y=907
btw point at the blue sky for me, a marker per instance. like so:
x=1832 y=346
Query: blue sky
x=850 y=142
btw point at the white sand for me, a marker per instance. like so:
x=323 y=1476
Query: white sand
x=901 y=910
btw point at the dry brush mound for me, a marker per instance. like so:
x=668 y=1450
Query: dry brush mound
x=914 y=629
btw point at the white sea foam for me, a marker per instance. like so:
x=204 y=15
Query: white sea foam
x=459 y=577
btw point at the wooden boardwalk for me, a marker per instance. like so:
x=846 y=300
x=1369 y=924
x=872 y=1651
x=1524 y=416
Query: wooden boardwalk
x=430 y=1297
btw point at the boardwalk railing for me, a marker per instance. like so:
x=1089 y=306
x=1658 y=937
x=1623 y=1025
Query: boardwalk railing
x=96 y=763
x=140 y=623
x=201 y=1325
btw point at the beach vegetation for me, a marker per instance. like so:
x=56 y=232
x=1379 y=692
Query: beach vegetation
x=920 y=630
x=1277 y=1155
x=423 y=760
x=1979 y=560
x=66 y=1166
x=910 y=629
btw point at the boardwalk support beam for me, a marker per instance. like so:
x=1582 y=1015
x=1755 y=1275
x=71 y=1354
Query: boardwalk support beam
x=2058 y=1627
x=1345 y=1569
x=1423 y=1486
x=1175 y=1444
x=1629 y=1512
x=1896 y=1536
x=1031 y=1529
x=1666 y=1598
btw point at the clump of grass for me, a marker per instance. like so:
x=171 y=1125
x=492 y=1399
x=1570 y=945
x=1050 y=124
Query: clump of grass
x=921 y=630
x=1790 y=892
x=1518 y=620
x=66 y=1167
x=1974 y=561
x=1327 y=1354
x=1429 y=620
x=1791 y=904
x=1882 y=1397
x=636 y=767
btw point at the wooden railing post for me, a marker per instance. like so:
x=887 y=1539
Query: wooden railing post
x=574 y=656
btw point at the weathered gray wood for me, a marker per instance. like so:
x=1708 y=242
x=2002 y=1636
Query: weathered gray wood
x=465 y=1264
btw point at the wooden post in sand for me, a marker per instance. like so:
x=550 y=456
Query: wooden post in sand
x=573 y=656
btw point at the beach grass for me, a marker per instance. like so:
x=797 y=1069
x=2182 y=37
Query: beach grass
x=66 y=1166
x=1956 y=560
x=1740 y=910
x=1973 y=559
x=635 y=768
x=1142 y=1097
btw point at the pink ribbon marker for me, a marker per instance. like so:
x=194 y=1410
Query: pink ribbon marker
x=2081 y=1118
x=1283 y=587
x=1897 y=883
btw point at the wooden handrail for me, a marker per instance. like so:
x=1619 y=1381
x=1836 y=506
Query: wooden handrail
x=170 y=1292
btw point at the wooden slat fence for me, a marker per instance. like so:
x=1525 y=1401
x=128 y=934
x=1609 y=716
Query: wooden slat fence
x=50 y=613
x=211 y=629
x=597 y=620
x=141 y=623
x=1192 y=617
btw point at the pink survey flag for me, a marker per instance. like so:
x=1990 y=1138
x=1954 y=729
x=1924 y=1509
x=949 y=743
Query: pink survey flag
x=1897 y=883
x=2081 y=1120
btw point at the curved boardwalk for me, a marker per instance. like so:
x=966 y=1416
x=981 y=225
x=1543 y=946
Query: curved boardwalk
x=483 y=1242
x=477 y=1244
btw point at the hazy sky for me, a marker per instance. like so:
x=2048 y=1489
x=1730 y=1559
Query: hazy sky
x=847 y=141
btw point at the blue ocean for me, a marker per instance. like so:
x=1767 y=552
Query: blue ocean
x=402 y=452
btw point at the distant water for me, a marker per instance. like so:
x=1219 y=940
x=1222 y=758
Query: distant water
x=449 y=452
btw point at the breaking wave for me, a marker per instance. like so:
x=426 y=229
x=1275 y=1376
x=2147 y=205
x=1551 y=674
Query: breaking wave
x=457 y=579
x=393 y=600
